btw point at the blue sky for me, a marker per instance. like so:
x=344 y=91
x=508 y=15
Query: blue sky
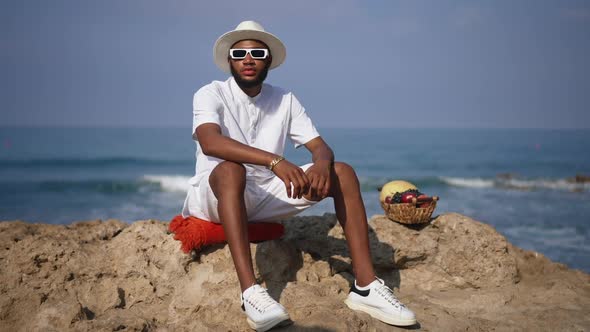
x=507 y=64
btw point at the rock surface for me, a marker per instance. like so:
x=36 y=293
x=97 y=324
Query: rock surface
x=457 y=274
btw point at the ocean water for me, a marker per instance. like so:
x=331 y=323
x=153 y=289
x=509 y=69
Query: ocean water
x=517 y=180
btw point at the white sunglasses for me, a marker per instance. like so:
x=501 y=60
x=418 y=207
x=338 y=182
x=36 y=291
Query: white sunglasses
x=255 y=53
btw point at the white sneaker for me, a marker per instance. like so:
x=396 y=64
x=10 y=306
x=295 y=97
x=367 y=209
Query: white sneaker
x=378 y=300
x=262 y=310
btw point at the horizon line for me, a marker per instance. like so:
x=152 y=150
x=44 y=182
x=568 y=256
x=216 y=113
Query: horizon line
x=56 y=126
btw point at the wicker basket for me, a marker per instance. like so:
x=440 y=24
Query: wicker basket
x=408 y=213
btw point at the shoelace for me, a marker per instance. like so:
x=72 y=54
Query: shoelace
x=387 y=294
x=260 y=300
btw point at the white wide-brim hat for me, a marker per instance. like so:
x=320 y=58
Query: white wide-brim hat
x=248 y=30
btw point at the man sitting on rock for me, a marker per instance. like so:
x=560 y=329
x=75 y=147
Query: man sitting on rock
x=241 y=126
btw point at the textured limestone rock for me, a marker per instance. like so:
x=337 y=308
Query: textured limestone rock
x=457 y=274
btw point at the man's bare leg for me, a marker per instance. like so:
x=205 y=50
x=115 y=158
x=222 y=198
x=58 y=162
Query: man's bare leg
x=350 y=211
x=228 y=181
x=368 y=293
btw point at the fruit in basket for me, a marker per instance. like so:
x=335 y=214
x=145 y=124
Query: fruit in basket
x=394 y=190
x=404 y=203
x=408 y=196
x=424 y=201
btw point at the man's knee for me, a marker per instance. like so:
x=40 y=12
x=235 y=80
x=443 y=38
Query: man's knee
x=344 y=170
x=227 y=175
x=344 y=180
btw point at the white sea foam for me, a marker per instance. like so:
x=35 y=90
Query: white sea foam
x=522 y=184
x=172 y=183
x=468 y=182
x=558 y=184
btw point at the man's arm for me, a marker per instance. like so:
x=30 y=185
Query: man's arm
x=319 y=173
x=214 y=144
x=320 y=151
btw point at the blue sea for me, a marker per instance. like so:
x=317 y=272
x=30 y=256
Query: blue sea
x=517 y=180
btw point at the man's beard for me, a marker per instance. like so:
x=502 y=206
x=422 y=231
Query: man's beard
x=246 y=84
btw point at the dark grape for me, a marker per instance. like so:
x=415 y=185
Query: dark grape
x=397 y=198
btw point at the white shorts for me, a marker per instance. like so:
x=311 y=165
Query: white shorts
x=266 y=201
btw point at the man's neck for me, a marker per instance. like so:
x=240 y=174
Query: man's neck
x=251 y=91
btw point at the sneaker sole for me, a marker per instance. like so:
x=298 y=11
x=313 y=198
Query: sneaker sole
x=378 y=315
x=277 y=322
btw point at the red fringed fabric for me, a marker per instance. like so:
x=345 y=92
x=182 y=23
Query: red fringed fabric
x=195 y=233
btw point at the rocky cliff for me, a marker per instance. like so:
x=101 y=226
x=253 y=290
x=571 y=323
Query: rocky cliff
x=457 y=274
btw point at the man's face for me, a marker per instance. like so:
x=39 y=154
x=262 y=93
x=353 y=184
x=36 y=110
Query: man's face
x=249 y=72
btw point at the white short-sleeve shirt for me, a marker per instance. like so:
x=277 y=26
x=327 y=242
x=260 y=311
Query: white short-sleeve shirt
x=263 y=122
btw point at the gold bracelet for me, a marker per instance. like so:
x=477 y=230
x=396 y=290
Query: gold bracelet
x=275 y=161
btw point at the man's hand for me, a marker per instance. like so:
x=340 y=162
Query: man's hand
x=292 y=174
x=319 y=179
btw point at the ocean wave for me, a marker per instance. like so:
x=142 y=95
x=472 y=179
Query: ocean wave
x=563 y=237
x=100 y=186
x=369 y=183
x=92 y=162
x=515 y=183
x=468 y=182
x=147 y=183
x=172 y=183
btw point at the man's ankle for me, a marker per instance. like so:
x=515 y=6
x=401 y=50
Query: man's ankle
x=248 y=289
x=364 y=282
x=247 y=285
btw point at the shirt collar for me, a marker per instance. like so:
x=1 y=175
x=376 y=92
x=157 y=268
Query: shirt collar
x=242 y=96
